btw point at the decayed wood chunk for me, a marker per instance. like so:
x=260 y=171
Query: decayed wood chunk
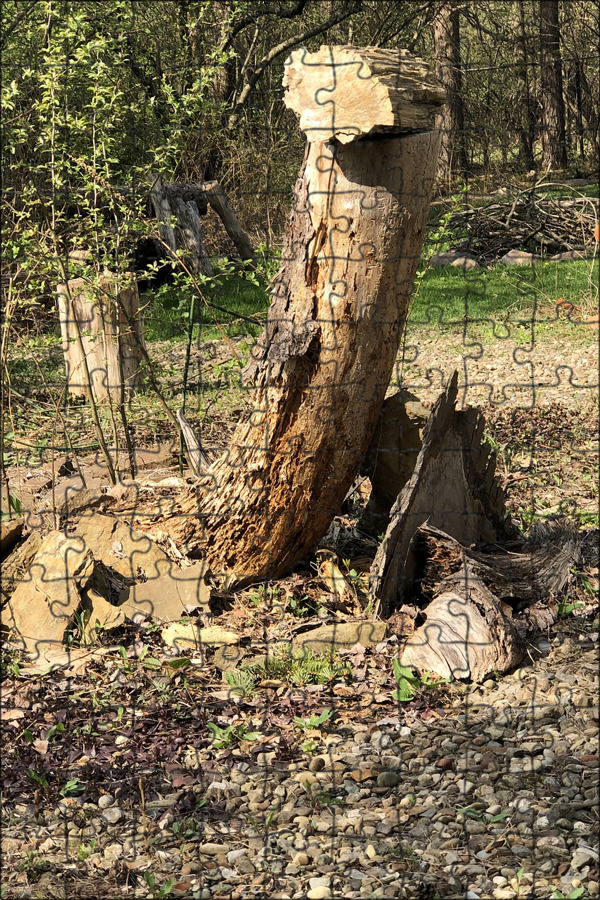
x=470 y=628
x=349 y=92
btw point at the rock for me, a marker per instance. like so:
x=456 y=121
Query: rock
x=327 y=638
x=105 y=801
x=227 y=657
x=102 y=614
x=388 y=779
x=319 y=893
x=584 y=856
x=189 y=636
x=454 y=258
x=464 y=786
x=300 y=860
x=44 y=603
x=10 y=534
x=211 y=849
x=76 y=501
x=165 y=590
x=568 y=255
x=518 y=258
x=17 y=563
x=112 y=815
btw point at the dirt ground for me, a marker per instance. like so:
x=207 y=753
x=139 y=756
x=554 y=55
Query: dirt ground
x=136 y=770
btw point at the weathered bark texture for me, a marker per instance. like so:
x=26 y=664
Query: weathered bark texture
x=323 y=364
x=471 y=626
x=554 y=148
x=453 y=487
x=111 y=348
x=451 y=121
x=392 y=455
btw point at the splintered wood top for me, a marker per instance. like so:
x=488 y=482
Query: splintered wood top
x=352 y=92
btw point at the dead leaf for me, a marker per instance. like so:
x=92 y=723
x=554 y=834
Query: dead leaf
x=9 y=715
x=40 y=747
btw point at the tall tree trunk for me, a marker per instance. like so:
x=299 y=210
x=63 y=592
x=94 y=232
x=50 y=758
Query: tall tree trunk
x=324 y=362
x=446 y=36
x=554 y=150
x=527 y=128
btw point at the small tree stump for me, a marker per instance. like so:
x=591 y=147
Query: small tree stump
x=111 y=348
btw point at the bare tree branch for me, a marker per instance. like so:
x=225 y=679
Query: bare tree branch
x=283 y=47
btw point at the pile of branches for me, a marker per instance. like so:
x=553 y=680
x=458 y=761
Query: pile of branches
x=539 y=224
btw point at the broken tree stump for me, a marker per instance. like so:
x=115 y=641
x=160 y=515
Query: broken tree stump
x=392 y=456
x=453 y=487
x=102 y=314
x=323 y=364
x=178 y=209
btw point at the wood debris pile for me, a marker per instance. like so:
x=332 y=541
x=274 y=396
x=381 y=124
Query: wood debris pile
x=540 y=224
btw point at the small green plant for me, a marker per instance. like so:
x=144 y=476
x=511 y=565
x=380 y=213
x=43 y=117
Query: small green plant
x=86 y=850
x=302 y=607
x=72 y=788
x=230 y=735
x=33 y=865
x=565 y=608
x=314 y=722
x=575 y=893
x=242 y=681
x=409 y=685
x=159 y=891
x=39 y=780
x=9 y=664
x=301 y=668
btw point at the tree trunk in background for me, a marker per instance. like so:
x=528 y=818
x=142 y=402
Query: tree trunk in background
x=323 y=365
x=554 y=151
x=527 y=129
x=446 y=36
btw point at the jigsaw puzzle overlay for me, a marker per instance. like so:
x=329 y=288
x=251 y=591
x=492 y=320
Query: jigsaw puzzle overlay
x=330 y=630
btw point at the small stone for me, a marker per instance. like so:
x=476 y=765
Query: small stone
x=371 y=851
x=105 y=801
x=112 y=815
x=300 y=860
x=213 y=849
x=464 y=786
x=387 y=779
x=113 y=852
x=319 y=893
x=233 y=855
x=317 y=764
x=583 y=856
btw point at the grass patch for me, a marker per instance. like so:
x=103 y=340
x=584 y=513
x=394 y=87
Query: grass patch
x=236 y=303
x=448 y=296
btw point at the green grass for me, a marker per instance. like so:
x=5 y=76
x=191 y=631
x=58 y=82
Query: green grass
x=445 y=297
x=229 y=302
x=517 y=295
